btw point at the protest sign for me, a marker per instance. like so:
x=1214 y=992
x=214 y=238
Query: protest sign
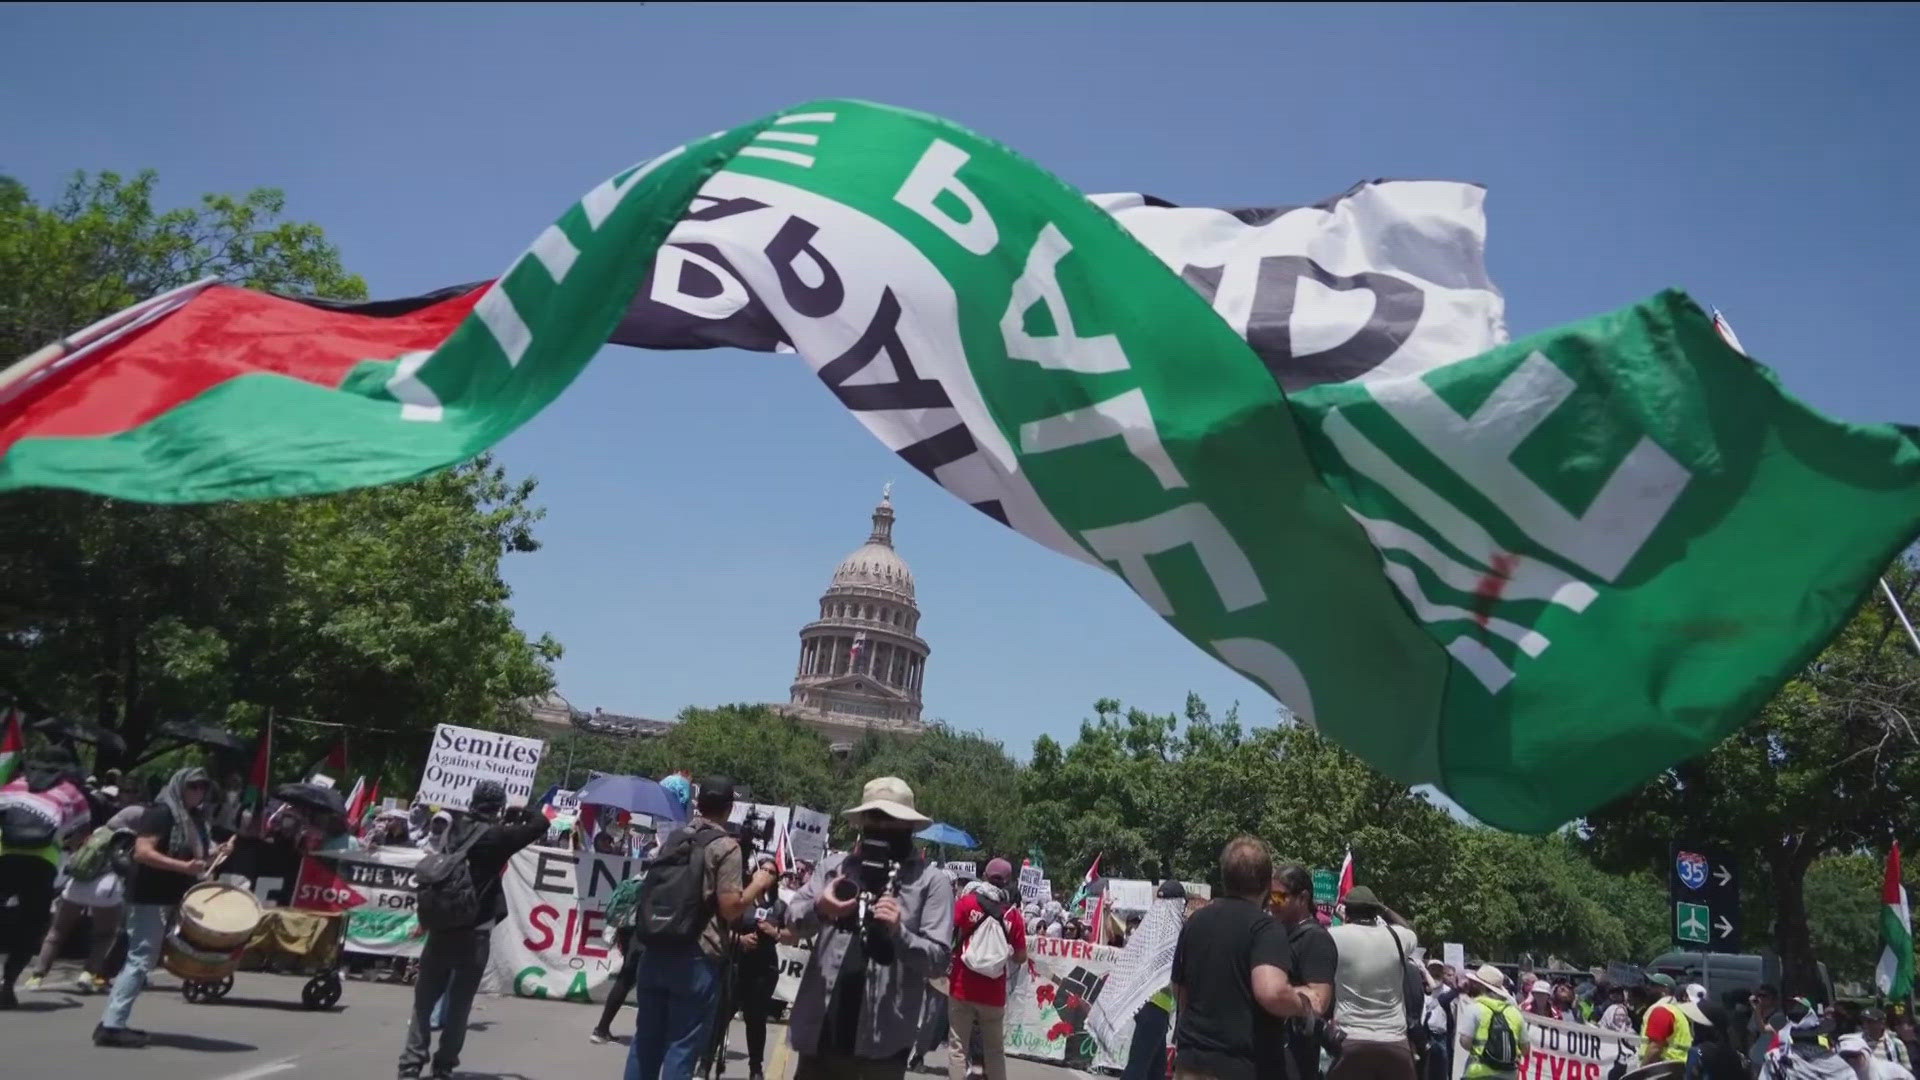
x=809 y=834
x=565 y=801
x=963 y=871
x=1129 y=895
x=1051 y=997
x=793 y=963
x=1454 y=955
x=781 y=818
x=1032 y=886
x=552 y=944
x=375 y=889
x=459 y=758
x=1561 y=1049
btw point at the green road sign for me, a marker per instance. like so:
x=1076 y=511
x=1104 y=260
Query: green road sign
x=1691 y=924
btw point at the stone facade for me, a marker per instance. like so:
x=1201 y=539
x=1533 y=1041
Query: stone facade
x=862 y=661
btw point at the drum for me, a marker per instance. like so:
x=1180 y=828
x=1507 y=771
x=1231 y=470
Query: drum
x=218 y=918
x=190 y=962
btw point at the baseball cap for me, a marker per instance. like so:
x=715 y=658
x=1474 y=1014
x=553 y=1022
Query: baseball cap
x=999 y=871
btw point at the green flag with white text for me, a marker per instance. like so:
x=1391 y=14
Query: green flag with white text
x=1532 y=577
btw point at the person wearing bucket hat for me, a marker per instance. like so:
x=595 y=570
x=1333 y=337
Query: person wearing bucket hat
x=882 y=922
x=1493 y=1032
x=1857 y=1052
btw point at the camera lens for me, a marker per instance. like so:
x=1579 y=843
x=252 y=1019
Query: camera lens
x=844 y=890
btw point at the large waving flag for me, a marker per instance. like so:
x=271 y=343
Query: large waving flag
x=1531 y=574
x=1894 y=974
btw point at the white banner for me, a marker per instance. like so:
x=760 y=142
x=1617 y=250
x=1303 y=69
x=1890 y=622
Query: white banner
x=462 y=757
x=1560 y=1049
x=809 y=835
x=1049 y=1001
x=375 y=890
x=551 y=944
x=963 y=871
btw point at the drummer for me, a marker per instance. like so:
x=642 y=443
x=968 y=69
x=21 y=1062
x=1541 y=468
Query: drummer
x=171 y=853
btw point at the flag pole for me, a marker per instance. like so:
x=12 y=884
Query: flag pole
x=1901 y=613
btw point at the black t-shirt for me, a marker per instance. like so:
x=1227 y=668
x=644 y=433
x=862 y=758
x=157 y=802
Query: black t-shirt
x=1314 y=958
x=1219 y=948
x=151 y=885
x=770 y=909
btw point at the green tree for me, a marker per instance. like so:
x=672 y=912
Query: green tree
x=962 y=778
x=381 y=609
x=1827 y=768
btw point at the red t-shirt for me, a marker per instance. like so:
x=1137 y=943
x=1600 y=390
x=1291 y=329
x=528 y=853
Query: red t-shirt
x=967 y=984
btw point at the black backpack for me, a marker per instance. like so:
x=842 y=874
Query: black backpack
x=673 y=906
x=22 y=828
x=445 y=896
x=1501 y=1053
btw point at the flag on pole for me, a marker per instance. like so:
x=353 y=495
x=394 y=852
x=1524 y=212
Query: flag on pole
x=1894 y=975
x=372 y=800
x=356 y=804
x=1346 y=878
x=1078 y=904
x=782 y=852
x=259 y=779
x=13 y=744
x=1585 y=546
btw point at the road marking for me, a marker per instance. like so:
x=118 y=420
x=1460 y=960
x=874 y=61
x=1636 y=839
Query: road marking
x=268 y=1069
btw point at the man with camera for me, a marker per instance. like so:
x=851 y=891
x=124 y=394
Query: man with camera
x=884 y=920
x=691 y=893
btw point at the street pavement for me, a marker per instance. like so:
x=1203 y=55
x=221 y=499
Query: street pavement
x=260 y=1030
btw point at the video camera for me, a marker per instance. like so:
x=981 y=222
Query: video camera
x=869 y=872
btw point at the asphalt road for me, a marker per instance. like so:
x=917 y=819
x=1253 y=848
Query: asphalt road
x=260 y=1030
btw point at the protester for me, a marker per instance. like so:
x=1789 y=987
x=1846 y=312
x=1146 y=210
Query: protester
x=1565 y=1006
x=677 y=985
x=172 y=851
x=41 y=813
x=1615 y=1016
x=756 y=971
x=1767 y=1021
x=1854 y=1049
x=1314 y=960
x=1666 y=1029
x=1493 y=1032
x=1147 y=1052
x=1885 y=1044
x=1230 y=968
x=1438 y=1016
x=95 y=891
x=1540 y=1002
x=453 y=958
x=1370 y=984
x=978 y=1000
x=884 y=920
x=1714 y=1056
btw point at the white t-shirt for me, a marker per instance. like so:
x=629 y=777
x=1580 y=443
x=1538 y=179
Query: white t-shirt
x=1369 y=979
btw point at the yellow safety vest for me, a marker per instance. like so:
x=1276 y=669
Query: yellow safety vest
x=1489 y=1005
x=1682 y=1038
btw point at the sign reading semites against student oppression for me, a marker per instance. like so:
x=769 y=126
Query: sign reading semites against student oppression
x=462 y=757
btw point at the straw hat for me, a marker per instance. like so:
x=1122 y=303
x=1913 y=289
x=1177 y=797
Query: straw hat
x=891 y=796
x=1490 y=979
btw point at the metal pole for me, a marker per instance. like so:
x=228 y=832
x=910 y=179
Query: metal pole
x=1904 y=621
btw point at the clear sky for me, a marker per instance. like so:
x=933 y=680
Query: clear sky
x=1764 y=158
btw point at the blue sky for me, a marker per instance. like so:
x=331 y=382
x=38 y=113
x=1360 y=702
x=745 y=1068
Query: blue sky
x=1762 y=158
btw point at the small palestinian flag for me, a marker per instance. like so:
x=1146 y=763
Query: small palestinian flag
x=13 y=744
x=1894 y=975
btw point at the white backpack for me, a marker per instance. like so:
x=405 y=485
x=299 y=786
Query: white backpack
x=987 y=951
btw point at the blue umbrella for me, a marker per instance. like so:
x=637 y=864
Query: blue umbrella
x=942 y=833
x=635 y=794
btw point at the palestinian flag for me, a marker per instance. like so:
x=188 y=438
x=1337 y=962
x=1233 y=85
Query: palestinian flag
x=13 y=745
x=1532 y=574
x=1090 y=886
x=260 y=780
x=1894 y=975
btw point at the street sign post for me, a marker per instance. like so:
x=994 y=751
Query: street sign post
x=1703 y=885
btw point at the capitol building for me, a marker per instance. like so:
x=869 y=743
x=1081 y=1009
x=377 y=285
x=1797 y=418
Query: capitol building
x=862 y=660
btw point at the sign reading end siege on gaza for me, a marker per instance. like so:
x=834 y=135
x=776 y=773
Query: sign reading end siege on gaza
x=462 y=757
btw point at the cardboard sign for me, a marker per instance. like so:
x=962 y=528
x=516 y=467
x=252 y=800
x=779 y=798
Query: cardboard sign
x=1033 y=884
x=963 y=871
x=1455 y=956
x=808 y=835
x=461 y=757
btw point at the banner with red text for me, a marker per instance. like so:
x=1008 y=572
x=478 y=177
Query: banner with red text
x=1050 y=999
x=376 y=891
x=1563 y=1050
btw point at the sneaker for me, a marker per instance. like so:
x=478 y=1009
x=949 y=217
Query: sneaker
x=33 y=983
x=124 y=1038
x=598 y=1037
x=101 y=984
x=82 y=985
